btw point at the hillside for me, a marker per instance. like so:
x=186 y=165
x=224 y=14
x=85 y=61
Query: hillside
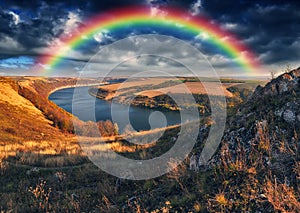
x=25 y=127
x=256 y=168
x=259 y=154
x=32 y=126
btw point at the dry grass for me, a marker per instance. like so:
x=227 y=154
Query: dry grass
x=210 y=88
x=281 y=196
x=151 y=93
x=134 y=83
x=192 y=87
x=245 y=178
x=24 y=128
x=143 y=140
x=11 y=97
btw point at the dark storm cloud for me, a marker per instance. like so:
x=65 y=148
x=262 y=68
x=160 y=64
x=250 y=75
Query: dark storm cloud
x=271 y=28
x=43 y=21
x=36 y=26
x=88 y=6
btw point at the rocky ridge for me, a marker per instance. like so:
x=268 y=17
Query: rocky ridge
x=271 y=115
x=261 y=146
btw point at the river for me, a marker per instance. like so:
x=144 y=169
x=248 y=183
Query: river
x=138 y=116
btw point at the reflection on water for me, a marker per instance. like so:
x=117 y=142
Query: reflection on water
x=139 y=116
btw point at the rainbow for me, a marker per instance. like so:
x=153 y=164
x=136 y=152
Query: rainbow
x=167 y=18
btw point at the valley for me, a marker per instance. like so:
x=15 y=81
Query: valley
x=40 y=149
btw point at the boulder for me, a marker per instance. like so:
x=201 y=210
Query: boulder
x=289 y=116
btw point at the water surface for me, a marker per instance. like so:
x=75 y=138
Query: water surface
x=138 y=116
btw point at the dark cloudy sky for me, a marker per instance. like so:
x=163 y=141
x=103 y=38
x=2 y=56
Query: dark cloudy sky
x=271 y=28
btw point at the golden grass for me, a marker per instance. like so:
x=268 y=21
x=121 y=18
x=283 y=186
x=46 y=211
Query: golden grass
x=210 y=88
x=192 y=87
x=9 y=96
x=134 y=83
x=24 y=128
x=281 y=196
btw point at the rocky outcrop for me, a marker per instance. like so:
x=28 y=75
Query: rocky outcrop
x=280 y=97
x=267 y=123
x=258 y=159
x=284 y=83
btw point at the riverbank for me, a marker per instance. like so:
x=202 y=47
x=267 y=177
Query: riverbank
x=74 y=86
x=160 y=93
x=156 y=102
x=128 y=136
x=32 y=123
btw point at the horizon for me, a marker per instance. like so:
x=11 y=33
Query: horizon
x=264 y=78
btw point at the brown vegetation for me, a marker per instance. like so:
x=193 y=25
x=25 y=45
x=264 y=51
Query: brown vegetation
x=32 y=123
x=209 y=88
x=256 y=169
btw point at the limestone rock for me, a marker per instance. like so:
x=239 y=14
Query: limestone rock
x=289 y=116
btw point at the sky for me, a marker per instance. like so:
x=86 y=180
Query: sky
x=28 y=29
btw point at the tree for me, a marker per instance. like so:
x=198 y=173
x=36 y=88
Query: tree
x=273 y=74
x=287 y=68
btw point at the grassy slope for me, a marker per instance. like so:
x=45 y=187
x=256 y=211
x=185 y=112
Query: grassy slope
x=86 y=188
x=23 y=126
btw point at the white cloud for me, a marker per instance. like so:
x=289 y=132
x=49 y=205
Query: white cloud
x=296 y=44
x=154 y=8
x=155 y=11
x=56 y=44
x=219 y=60
x=71 y=23
x=243 y=55
x=202 y=36
x=43 y=66
x=16 y=18
x=147 y=52
x=101 y=36
x=196 y=8
x=226 y=38
x=230 y=26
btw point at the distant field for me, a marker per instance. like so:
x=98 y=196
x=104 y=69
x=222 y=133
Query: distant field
x=147 y=84
x=194 y=88
x=250 y=85
x=134 y=83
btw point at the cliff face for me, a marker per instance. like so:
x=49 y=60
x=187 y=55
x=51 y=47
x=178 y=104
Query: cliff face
x=269 y=121
x=284 y=89
x=279 y=98
x=259 y=152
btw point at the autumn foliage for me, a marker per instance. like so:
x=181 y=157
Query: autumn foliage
x=61 y=118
